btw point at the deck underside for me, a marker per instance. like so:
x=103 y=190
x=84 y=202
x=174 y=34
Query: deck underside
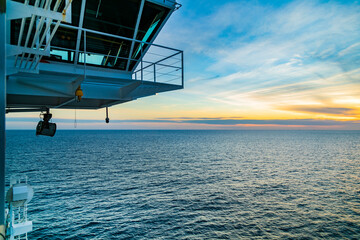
x=55 y=90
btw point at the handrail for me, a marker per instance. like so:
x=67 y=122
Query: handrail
x=157 y=62
x=140 y=68
x=155 y=68
x=124 y=58
x=117 y=36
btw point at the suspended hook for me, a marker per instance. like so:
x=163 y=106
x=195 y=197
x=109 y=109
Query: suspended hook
x=107 y=120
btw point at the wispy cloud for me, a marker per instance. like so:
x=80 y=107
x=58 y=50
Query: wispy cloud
x=278 y=57
x=251 y=64
x=343 y=111
x=195 y=123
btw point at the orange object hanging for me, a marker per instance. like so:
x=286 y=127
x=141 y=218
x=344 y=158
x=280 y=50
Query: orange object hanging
x=79 y=93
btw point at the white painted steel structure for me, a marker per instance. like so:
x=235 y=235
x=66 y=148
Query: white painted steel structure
x=2 y=112
x=18 y=196
x=50 y=48
x=37 y=79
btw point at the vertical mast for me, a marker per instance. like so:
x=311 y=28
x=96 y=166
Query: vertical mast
x=2 y=112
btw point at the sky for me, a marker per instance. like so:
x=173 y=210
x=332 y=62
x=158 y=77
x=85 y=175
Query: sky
x=248 y=65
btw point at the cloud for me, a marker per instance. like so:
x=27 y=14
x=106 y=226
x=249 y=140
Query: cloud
x=291 y=122
x=191 y=122
x=297 y=63
x=330 y=110
x=275 y=57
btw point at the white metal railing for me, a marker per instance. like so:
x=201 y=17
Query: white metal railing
x=37 y=33
x=152 y=62
x=161 y=68
x=160 y=63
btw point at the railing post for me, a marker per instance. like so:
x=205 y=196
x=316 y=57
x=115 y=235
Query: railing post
x=182 y=69
x=142 y=73
x=84 y=54
x=154 y=72
x=81 y=22
x=2 y=111
x=135 y=33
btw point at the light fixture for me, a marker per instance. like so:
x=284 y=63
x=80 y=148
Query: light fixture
x=45 y=127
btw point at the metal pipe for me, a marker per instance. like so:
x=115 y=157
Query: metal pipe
x=48 y=42
x=37 y=33
x=2 y=111
x=117 y=55
x=21 y=32
x=40 y=25
x=142 y=72
x=29 y=33
x=135 y=32
x=107 y=120
x=154 y=73
x=97 y=12
x=84 y=55
x=65 y=103
x=125 y=58
x=182 y=69
x=48 y=24
x=53 y=33
x=78 y=39
x=155 y=36
x=15 y=110
x=116 y=36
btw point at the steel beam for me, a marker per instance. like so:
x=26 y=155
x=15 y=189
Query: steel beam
x=135 y=32
x=68 y=4
x=78 y=40
x=182 y=69
x=117 y=36
x=45 y=34
x=2 y=111
x=13 y=50
x=20 y=10
x=153 y=39
x=66 y=102
x=17 y=110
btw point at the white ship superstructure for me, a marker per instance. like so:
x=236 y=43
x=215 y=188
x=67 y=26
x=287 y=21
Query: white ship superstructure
x=83 y=54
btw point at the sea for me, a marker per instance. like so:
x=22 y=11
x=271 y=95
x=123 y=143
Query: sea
x=176 y=184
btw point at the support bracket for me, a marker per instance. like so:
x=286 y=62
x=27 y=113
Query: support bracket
x=17 y=10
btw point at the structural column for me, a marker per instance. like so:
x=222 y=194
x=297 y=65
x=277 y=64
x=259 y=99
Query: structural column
x=2 y=112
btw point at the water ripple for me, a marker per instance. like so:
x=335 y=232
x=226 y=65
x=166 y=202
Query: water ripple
x=191 y=184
